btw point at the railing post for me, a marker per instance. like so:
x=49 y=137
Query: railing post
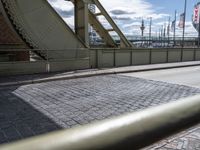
x=97 y=59
x=194 y=54
x=150 y=56
x=167 y=55
x=114 y=58
x=47 y=62
x=181 y=54
x=131 y=57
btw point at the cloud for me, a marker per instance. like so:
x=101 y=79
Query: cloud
x=61 y=4
x=120 y=12
x=127 y=14
x=65 y=9
x=133 y=8
x=121 y=18
x=65 y=13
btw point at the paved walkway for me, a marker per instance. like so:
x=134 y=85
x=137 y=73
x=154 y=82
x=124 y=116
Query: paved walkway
x=35 y=109
x=38 y=78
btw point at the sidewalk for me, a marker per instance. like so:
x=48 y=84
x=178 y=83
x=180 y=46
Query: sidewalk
x=38 y=78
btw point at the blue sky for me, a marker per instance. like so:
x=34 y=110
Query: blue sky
x=128 y=14
x=168 y=6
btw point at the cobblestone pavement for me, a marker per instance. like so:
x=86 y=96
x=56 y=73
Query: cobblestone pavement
x=187 y=140
x=39 y=108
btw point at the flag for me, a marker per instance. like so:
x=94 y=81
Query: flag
x=173 y=26
x=181 y=22
x=196 y=14
x=168 y=29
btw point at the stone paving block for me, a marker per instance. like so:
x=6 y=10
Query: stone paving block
x=39 y=108
x=24 y=130
x=11 y=133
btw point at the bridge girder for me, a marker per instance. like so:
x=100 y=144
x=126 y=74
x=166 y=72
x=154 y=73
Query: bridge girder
x=48 y=31
x=81 y=20
x=83 y=16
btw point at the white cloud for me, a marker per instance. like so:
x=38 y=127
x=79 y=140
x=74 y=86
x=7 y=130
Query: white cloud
x=140 y=8
x=127 y=14
x=65 y=9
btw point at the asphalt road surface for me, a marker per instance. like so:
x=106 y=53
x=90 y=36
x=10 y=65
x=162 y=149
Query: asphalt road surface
x=189 y=76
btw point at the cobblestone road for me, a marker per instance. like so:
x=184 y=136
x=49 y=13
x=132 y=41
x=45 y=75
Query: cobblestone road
x=187 y=140
x=39 y=108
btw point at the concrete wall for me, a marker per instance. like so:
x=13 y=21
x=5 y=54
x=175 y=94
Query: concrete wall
x=158 y=56
x=138 y=54
x=188 y=55
x=197 y=55
x=104 y=58
x=25 y=67
x=174 y=55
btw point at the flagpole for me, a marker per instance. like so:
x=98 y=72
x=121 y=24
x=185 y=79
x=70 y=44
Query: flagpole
x=150 y=23
x=168 y=28
x=164 y=34
x=159 y=37
x=184 y=23
x=175 y=29
x=199 y=29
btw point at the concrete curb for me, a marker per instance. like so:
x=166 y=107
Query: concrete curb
x=105 y=72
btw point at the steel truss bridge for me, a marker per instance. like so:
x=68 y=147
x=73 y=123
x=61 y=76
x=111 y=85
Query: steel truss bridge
x=45 y=34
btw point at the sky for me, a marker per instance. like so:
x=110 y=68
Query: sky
x=128 y=14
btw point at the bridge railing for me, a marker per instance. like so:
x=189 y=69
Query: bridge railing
x=140 y=38
x=14 y=54
x=131 y=131
x=17 y=61
x=31 y=61
x=105 y=58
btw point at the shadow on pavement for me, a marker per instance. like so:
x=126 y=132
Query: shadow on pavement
x=19 y=119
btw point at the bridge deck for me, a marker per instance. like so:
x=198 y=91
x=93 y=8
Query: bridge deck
x=34 y=109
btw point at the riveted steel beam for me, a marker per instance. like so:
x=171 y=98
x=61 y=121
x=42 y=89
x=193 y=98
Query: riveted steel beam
x=124 y=41
x=38 y=24
x=81 y=20
x=94 y=22
x=104 y=33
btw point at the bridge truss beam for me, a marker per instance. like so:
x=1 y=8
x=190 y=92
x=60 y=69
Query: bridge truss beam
x=81 y=20
x=83 y=16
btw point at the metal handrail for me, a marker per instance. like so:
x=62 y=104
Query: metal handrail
x=28 y=49
x=88 y=49
x=131 y=131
